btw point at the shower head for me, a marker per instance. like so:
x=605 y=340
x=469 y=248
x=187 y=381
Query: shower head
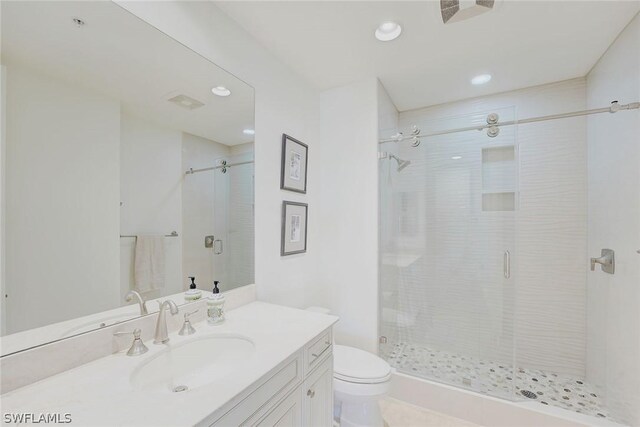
x=401 y=163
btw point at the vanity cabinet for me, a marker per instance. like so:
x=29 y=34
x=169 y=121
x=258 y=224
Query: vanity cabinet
x=299 y=392
x=318 y=395
x=287 y=413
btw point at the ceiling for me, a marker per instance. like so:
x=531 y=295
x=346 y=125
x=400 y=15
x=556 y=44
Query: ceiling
x=122 y=57
x=521 y=43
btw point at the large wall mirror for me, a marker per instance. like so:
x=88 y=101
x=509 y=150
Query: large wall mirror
x=128 y=167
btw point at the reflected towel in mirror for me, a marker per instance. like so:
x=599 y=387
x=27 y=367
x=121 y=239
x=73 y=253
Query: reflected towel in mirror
x=149 y=268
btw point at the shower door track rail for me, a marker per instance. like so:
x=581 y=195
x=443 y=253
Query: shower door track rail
x=191 y=171
x=613 y=108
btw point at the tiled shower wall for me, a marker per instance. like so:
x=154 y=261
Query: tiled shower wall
x=442 y=281
x=613 y=350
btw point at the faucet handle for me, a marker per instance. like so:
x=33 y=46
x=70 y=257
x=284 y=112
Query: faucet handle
x=137 y=347
x=136 y=333
x=186 y=315
x=187 y=328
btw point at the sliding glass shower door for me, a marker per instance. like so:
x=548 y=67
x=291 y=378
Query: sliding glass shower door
x=447 y=252
x=232 y=246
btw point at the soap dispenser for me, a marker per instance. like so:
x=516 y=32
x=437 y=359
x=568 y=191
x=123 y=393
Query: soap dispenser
x=193 y=293
x=215 y=306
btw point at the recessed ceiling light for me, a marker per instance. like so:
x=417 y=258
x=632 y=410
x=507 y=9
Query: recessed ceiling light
x=221 y=91
x=388 y=31
x=249 y=132
x=481 y=79
x=456 y=157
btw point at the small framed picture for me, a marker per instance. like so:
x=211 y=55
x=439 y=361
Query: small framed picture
x=294 y=228
x=293 y=175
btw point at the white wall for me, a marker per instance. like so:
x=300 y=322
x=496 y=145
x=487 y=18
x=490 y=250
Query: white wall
x=63 y=144
x=151 y=195
x=455 y=297
x=613 y=345
x=349 y=123
x=284 y=104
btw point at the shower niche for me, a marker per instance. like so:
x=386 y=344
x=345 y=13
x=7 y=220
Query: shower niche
x=499 y=178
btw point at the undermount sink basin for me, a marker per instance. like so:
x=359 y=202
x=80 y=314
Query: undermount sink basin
x=194 y=363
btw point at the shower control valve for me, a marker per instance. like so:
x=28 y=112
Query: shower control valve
x=606 y=260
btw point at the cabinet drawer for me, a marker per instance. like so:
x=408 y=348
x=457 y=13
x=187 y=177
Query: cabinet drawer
x=318 y=348
x=257 y=403
x=288 y=413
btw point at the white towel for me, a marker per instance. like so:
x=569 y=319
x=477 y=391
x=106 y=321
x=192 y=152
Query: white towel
x=149 y=269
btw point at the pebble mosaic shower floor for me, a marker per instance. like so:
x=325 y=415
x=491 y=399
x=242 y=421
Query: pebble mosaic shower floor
x=497 y=379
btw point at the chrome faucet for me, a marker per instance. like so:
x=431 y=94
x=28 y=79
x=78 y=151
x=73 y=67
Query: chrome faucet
x=162 y=336
x=141 y=302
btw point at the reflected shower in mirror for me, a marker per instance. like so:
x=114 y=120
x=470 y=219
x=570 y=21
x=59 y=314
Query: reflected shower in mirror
x=105 y=115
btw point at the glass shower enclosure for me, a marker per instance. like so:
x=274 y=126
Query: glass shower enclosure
x=447 y=255
x=484 y=245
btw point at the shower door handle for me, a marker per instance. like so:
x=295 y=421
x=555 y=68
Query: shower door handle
x=506 y=264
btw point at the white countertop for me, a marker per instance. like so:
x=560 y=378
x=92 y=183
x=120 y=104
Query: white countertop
x=100 y=392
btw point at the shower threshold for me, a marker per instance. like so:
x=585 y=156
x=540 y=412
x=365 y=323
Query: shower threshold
x=498 y=379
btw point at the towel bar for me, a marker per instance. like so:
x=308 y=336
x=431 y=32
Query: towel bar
x=173 y=234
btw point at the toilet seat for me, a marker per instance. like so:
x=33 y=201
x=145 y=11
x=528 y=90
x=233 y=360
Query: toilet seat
x=360 y=367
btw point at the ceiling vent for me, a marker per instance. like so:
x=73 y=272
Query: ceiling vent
x=459 y=10
x=187 y=102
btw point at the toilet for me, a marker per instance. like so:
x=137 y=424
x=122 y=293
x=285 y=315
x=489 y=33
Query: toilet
x=360 y=379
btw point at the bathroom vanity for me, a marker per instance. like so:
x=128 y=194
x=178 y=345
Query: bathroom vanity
x=266 y=365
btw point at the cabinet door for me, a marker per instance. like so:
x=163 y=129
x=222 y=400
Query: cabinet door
x=318 y=396
x=287 y=414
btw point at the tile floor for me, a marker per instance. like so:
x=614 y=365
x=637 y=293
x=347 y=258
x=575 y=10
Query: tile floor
x=498 y=379
x=401 y=414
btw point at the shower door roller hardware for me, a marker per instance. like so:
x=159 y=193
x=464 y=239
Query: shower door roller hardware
x=382 y=340
x=506 y=264
x=208 y=241
x=217 y=247
x=493 y=130
x=606 y=260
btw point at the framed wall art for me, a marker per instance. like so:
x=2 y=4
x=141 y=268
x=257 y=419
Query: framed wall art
x=294 y=228
x=293 y=175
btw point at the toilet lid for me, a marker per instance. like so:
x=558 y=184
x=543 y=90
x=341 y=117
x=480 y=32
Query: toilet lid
x=358 y=366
